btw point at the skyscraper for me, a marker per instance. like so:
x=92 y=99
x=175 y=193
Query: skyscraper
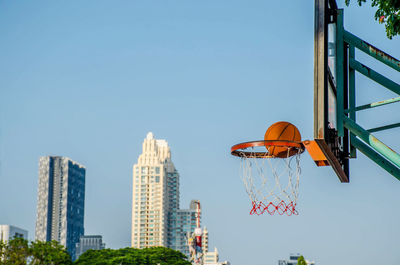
x=156 y=217
x=61 y=201
x=155 y=194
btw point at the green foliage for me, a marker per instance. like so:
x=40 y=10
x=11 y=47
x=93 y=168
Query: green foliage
x=388 y=12
x=2 y=250
x=132 y=256
x=18 y=251
x=165 y=256
x=49 y=253
x=301 y=261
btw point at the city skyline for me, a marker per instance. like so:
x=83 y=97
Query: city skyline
x=61 y=193
x=87 y=80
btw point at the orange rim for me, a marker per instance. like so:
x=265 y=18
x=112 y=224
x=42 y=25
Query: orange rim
x=240 y=149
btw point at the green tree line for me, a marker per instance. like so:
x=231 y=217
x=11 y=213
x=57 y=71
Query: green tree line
x=19 y=251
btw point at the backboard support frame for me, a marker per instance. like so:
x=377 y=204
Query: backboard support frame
x=336 y=132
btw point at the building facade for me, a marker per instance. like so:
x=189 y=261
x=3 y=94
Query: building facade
x=8 y=232
x=205 y=240
x=155 y=194
x=89 y=242
x=61 y=201
x=293 y=260
x=182 y=223
x=212 y=258
x=157 y=219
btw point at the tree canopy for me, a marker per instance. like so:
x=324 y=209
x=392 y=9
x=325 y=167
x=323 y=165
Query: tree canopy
x=132 y=256
x=15 y=252
x=388 y=13
x=19 y=251
x=49 y=253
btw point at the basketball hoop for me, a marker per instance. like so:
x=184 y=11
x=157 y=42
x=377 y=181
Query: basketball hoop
x=270 y=171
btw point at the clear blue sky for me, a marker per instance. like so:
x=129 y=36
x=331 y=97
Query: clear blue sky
x=89 y=79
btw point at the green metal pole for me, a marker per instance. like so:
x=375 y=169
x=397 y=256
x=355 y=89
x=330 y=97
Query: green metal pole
x=339 y=73
x=382 y=162
x=372 y=51
x=377 y=77
x=372 y=105
x=372 y=141
x=382 y=128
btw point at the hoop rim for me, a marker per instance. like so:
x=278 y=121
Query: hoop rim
x=239 y=149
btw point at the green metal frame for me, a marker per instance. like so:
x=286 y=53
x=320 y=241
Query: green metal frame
x=346 y=67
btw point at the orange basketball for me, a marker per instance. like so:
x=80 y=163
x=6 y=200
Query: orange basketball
x=283 y=131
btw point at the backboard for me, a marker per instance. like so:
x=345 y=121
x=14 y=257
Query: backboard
x=334 y=147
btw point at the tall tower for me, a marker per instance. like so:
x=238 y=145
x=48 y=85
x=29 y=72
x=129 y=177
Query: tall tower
x=61 y=201
x=155 y=194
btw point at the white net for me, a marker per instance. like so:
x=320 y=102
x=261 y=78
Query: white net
x=271 y=183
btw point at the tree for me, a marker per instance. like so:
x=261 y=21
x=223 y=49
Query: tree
x=19 y=251
x=164 y=256
x=388 y=13
x=16 y=252
x=49 y=253
x=2 y=250
x=301 y=261
x=132 y=256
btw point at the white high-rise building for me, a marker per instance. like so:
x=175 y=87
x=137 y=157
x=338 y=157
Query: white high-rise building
x=155 y=194
x=157 y=219
x=61 y=201
x=8 y=232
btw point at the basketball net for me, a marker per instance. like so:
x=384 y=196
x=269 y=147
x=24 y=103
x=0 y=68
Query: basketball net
x=271 y=183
